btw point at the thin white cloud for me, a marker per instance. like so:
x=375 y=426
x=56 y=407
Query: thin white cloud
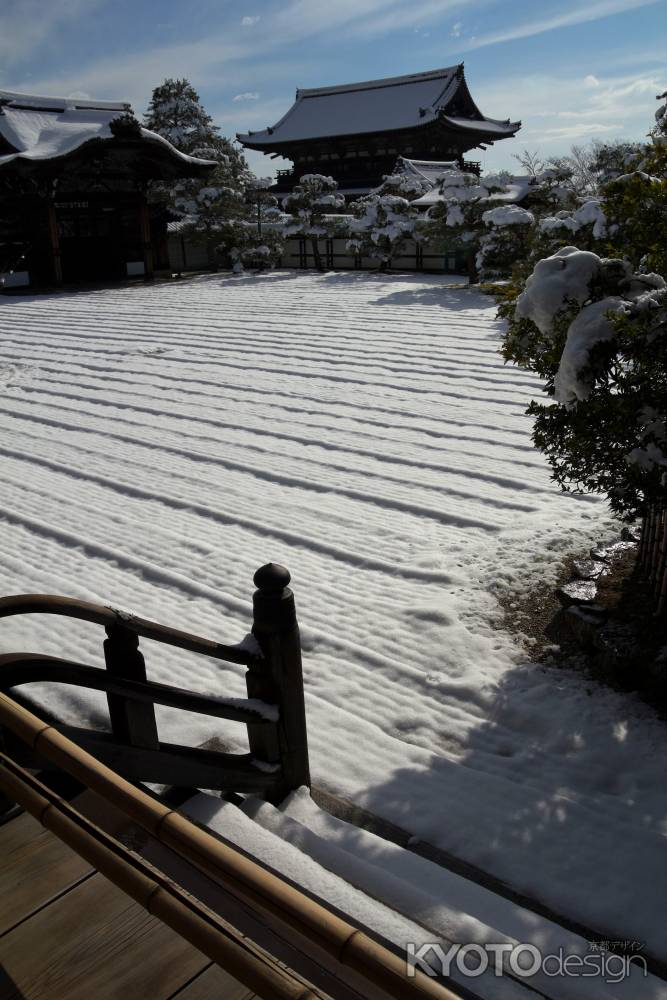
x=248 y=96
x=249 y=20
x=230 y=59
x=580 y=14
x=558 y=110
x=568 y=133
x=456 y=30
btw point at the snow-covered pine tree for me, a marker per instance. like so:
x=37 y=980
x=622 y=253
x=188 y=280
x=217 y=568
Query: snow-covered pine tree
x=455 y=220
x=385 y=219
x=175 y=112
x=314 y=197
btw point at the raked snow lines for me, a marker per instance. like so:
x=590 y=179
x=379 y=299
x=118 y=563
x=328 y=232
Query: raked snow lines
x=158 y=444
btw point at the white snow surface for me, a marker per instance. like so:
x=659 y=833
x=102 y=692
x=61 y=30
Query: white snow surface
x=160 y=443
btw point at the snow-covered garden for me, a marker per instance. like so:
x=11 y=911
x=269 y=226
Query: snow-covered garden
x=160 y=443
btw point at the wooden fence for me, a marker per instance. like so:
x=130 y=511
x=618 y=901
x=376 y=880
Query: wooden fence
x=421 y=257
x=274 y=712
x=415 y=257
x=652 y=556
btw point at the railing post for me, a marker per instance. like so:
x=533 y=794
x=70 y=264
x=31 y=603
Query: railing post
x=279 y=678
x=132 y=722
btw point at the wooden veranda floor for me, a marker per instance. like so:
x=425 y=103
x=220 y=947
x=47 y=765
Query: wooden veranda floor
x=67 y=932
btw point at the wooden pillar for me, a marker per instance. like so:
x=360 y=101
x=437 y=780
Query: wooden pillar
x=279 y=679
x=54 y=242
x=147 y=246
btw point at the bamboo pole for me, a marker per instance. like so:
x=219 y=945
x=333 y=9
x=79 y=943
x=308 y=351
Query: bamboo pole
x=156 y=893
x=240 y=875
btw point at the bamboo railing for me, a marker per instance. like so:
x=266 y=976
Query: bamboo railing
x=256 y=887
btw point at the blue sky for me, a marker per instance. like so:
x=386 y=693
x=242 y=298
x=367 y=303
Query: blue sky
x=570 y=70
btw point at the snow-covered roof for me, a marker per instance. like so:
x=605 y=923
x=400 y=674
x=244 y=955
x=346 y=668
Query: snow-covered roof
x=397 y=102
x=510 y=189
x=427 y=170
x=39 y=128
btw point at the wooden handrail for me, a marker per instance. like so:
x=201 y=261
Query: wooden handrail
x=240 y=875
x=274 y=712
x=27 y=668
x=99 y=614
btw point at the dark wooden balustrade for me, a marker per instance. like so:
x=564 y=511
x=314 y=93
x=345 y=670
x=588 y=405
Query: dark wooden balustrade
x=274 y=712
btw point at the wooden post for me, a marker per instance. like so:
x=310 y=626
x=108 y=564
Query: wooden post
x=147 y=246
x=54 y=242
x=132 y=722
x=280 y=678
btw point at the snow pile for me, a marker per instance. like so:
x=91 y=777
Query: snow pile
x=590 y=213
x=565 y=281
x=590 y=327
x=561 y=220
x=508 y=215
x=556 y=281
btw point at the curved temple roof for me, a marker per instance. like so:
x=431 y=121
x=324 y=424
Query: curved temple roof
x=397 y=102
x=45 y=128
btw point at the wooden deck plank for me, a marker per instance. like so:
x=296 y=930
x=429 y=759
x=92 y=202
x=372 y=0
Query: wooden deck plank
x=35 y=867
x=95 y=942
x=214 y=984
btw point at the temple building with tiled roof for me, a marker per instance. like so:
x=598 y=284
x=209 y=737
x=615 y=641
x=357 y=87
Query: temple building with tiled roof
x=73 y=184
x=355 y=132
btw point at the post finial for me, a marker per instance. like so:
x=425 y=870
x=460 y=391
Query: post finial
x=272 y=578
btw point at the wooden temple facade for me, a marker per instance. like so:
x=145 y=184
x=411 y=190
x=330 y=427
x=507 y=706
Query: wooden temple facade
x=74 y=178
x=355 y=132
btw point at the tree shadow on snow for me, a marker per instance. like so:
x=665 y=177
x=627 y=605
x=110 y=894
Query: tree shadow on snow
x=556 y=793
x=451 y=296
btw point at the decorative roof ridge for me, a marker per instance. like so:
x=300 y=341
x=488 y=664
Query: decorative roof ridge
x=389 y=81
x=33 y=102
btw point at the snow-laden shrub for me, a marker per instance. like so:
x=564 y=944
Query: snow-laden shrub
x=596 y=331
x=591 y=320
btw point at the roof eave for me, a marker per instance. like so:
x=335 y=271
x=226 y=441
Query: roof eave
x=184 y=166
x=271 y=143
